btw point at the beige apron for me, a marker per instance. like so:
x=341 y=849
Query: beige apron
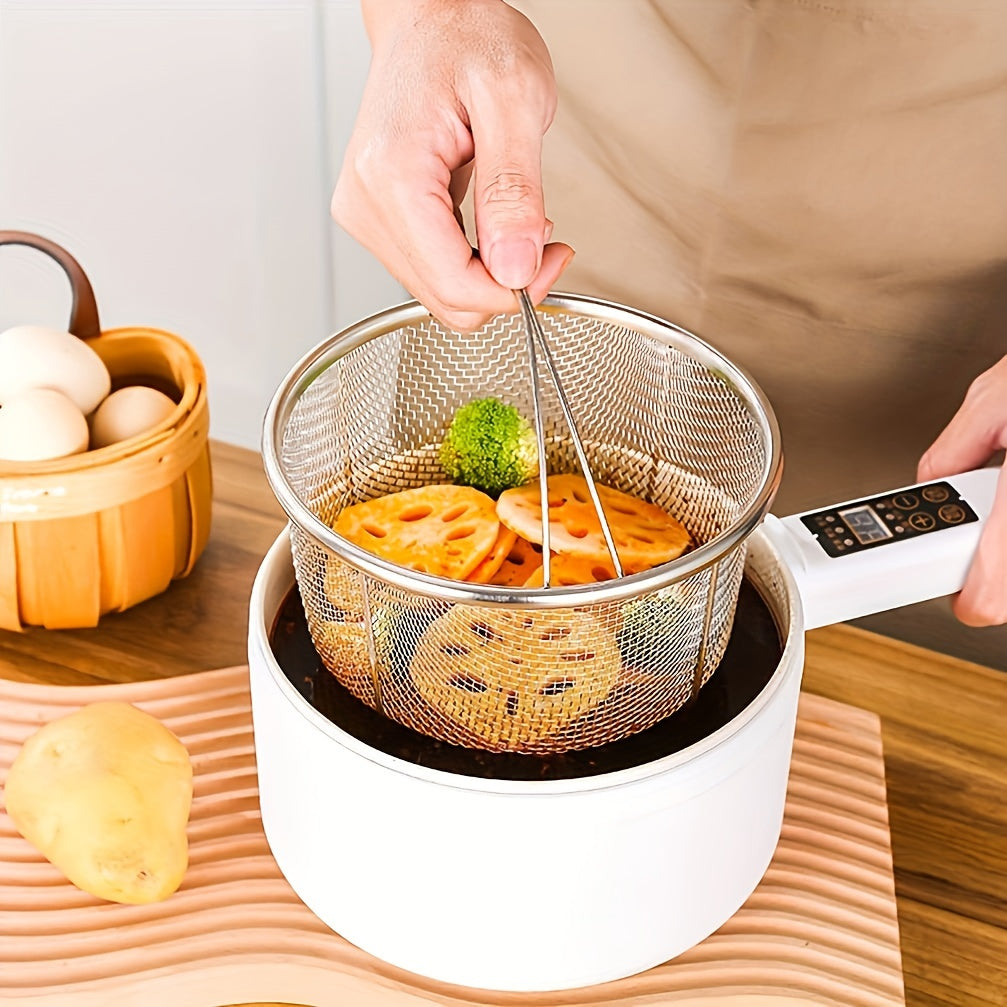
x=819 y=189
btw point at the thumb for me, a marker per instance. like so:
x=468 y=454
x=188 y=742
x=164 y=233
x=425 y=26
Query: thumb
x=508 y=204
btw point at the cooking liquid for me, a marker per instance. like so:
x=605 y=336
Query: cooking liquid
x=753 y=654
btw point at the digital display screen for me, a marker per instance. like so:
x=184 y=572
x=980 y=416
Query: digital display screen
x=865 y=524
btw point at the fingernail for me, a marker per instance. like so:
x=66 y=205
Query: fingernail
x=513 y=262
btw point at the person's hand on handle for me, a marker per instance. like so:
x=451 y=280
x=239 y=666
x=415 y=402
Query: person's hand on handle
x=976 y=432
x=457 y=88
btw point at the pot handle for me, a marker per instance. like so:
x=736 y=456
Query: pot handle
x=84 y=308
x=882 y=552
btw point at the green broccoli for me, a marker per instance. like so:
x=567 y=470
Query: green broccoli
x=490 y=446
x=648 y=625
x=397 y=629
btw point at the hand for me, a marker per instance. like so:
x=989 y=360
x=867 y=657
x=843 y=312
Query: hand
x=976 y=432
x=454 y=85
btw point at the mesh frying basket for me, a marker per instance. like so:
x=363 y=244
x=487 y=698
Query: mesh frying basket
x=661 y=415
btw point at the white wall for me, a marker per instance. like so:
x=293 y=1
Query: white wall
x=185 y=153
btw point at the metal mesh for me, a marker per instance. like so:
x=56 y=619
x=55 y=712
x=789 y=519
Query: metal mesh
x=516 y=670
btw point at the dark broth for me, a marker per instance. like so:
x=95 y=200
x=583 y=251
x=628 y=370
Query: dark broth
x=752 y=656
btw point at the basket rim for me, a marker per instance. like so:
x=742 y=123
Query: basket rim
x=317 y=360
x=193 y=390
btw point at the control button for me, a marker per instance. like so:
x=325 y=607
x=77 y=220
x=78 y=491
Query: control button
x=820 y=521
x=935 y=494
x=922 y=521
x=899 y=528
x=847 y=541
x=951 y=513
x=830 y=518
x=907 y=501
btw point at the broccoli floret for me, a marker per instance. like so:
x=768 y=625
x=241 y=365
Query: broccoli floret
x=647 y=626
x=490 y=446
x=397 y=630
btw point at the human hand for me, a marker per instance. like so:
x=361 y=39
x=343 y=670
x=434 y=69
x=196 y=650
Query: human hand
x=454 y=85
x=976 y=432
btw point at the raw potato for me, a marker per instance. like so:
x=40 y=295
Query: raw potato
x=104 y=794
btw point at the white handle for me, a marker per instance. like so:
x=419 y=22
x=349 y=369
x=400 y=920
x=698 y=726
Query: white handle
x=885 y=551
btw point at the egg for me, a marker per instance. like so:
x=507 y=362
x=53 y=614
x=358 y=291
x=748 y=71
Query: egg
x=33 y=356
x=128 y=412
x=40 y=423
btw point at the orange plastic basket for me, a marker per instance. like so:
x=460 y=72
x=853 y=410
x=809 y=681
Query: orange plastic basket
x=101 y=531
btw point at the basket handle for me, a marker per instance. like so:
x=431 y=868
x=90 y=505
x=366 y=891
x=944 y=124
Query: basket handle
x=84 y=308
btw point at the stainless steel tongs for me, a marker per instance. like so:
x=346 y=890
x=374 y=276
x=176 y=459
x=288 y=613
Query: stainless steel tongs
x=536 y=340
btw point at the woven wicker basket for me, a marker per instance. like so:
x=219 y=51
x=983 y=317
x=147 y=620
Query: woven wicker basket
x=101 y=531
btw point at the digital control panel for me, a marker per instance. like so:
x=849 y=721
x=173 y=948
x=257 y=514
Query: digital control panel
x=853 y=527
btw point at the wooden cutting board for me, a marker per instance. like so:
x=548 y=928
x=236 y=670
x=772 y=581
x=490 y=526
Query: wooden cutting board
x=821 y=928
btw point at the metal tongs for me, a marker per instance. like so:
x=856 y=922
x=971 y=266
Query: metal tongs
x=536 y=341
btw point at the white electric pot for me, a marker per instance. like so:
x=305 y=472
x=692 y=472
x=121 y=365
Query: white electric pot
x=517 y=885
x=544 y=885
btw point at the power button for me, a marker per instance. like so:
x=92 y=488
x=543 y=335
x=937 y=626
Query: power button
x=951 y=513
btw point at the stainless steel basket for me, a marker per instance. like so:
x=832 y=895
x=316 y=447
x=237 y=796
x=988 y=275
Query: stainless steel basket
x=661 y=415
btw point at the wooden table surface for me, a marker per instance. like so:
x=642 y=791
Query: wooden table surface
x=944 y=725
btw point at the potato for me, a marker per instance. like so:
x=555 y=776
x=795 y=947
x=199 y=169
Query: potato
x=104 y=794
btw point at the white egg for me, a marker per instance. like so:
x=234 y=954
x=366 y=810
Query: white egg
x=41 y=423
x=128 y=412
x=33 y=356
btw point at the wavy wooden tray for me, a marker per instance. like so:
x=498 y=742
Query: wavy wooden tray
x=820 y=929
